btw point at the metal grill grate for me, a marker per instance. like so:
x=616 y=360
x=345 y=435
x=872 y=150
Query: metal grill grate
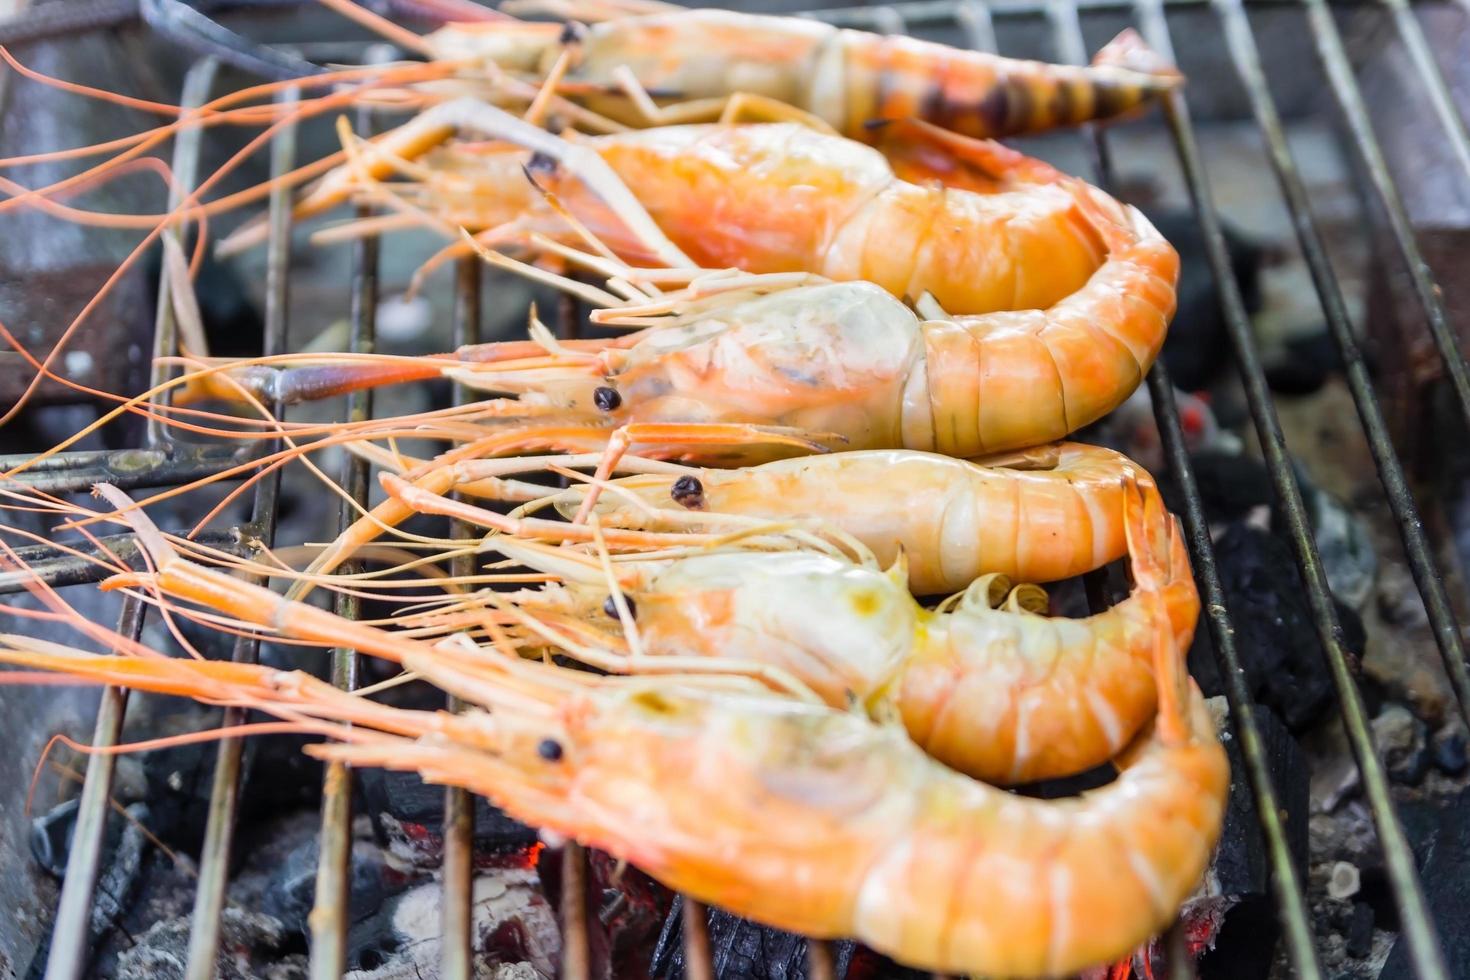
x=170 y=463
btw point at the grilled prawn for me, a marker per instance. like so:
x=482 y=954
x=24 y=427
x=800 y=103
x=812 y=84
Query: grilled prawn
x=1041 y=515
x=645 y=64
x=800 y=816
x=1002 y=694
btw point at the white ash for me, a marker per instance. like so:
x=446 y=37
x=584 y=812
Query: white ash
x=500 y=896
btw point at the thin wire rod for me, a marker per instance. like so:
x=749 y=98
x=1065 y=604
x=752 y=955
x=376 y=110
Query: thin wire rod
x=1390 y=471
x=126 y=469
x=70 y=937
x=459 y=805
x=329 y=915
x=71 y=946
x=698 y=964
x=576 y=956
x=819 y=962
x=197 y=84
x=1430 y=74
x=1350 y=100
x=975 y=20
x=1291 y=904
x=219 y=830
x=1398 y=857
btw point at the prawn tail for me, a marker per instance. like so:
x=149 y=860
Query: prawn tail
x=1130 y=51
x=1158 y=564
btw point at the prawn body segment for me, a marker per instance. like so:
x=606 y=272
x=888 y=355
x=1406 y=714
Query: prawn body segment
x=817 y=821
x=847 y=78
x=783 y=197
x=829 y=358
x=1012 y=379
x=1000 y=694
x=956 y=521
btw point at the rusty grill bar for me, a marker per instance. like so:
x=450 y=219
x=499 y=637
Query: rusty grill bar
x=163 y=462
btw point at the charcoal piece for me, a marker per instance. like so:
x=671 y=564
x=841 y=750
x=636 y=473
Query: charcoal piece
x=1439 y=832
x=1343 y=543
x=1401 y=741
x=1197 y=349
x=1449 y=750
x=1246 y=941
x=1230 y=485
x=248 y=941
x=741 y=950
x=117 y=880
x=1285 y=667
x=627 y=909
x=51 y=835
x=1304 y=364
x=291 y=892
x=408 y=818
x=277 y=776
x=1360 y=931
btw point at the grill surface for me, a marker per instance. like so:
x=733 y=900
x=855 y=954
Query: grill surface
x=162 y=462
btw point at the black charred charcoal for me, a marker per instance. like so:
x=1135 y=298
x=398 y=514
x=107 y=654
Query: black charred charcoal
x=1360 y=931
x=1439 y=832
x=1303 y=364
x=1276 y=638
x=626 y=910
x=1231 y=485
x=1246 y=942
x=1402 y=741
x=408 y=818
x=291 y=890
x=1197 y=349
x=741 y=950
x=51 y=835
x=117 y=882
x=1449 y=750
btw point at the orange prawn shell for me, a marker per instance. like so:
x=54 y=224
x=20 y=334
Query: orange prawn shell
x=822 y=359
x=957 y=519
x=783 y=198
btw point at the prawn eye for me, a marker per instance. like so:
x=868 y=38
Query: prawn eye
x=541 y=163
x=611 y=608
x=687 y=491
x=607 y=399
x=549 y=749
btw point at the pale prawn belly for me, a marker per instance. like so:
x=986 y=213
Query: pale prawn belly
x=828 y=358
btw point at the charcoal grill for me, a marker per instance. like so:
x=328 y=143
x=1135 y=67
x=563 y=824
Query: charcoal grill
x=162 y=462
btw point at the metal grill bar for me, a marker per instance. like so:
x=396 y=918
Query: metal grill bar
x=162 y=464
x=197 y=84
x=1071 y=48
x=1350 y=101
x=71 y=946
x=329 y=914
x=1439 y=92
x=219 y=831
x=56 y=568
x=1403 y=879
x=70 y=940
x=459 y=805
x=74 y=471
x=1395 y=484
